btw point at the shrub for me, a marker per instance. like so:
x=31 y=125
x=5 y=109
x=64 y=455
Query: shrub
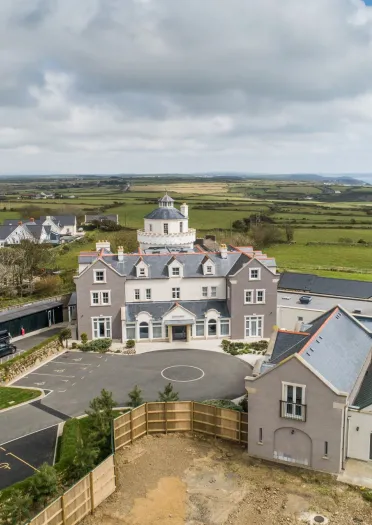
x=362 y=241
x=44 y=485
x=223 y=403
x=257 y=347
x=74 y=346
x=84 y=338
x=243 y=403
x=135 y=397
x=130 y=343
x=367 y=495
x=16 y=509
x=168 y=394
x=64 y=335
x=98 y=345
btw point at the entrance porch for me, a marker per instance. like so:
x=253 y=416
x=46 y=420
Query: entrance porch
x=179 y=332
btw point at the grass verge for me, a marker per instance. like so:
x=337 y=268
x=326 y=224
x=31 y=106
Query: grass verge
x=10 y=397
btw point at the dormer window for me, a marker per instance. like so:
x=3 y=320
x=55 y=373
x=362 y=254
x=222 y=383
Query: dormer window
x=175 y=268
x=208 y=266
x=142 y=269
x=176 y=271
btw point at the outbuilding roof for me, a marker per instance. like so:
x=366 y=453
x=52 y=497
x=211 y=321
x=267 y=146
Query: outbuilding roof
x=305 y=282
x=22 y=311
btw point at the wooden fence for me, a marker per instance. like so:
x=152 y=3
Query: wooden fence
x=181 y=416
x=150 y=418
x=82 y=498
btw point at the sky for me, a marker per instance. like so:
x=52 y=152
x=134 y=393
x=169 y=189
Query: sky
x=165 y=86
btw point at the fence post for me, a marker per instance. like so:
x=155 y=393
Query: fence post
x=215 y=422
x=240 y=427
x=192 y=416
x=63 y=509
x=131 y=426
x=166 y=416
x=147 y=419
x=91 y=491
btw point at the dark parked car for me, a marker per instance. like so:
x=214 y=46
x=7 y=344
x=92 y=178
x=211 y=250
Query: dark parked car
x=305 y=299
x=6 y=346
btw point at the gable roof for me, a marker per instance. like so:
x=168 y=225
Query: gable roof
x=36 y=230
x=337 y=347
x=7 y=230
x=305 y=282
x=61 y=220
x=166 y=198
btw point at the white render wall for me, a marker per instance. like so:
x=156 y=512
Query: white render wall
x=359 y=440
x=173 y=225
x=287 y=316
x=161 y=289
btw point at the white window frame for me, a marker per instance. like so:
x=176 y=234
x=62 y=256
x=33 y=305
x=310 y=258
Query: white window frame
x=108 y=331
x=263 y=296
x=166 y=228
x=204 y=291
x=258 y=270
x=284 y=412
x=251 y=295
x=100 y=298
x=199 y=322
x=95 y=276
x=209 y=268
x=139 y=294
x=142 y=272
x=258 y=317
x=148 y=294
x=213 y=291
x=176 y=293
x=176 y=271
x=225 y=322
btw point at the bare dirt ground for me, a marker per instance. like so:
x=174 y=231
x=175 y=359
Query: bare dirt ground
x=185 y=480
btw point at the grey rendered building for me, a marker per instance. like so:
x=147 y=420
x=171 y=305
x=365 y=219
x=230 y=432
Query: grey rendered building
x=299 y=402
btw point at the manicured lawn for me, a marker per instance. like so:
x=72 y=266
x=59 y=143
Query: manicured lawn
x=10 y=396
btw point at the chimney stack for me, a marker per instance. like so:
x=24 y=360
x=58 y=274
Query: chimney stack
x=32 y=219
x=100 y=245
x=184 y=209
x=120 y=254
x=223 y=251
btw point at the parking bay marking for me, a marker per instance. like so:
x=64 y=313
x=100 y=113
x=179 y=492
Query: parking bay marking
x=53 y=375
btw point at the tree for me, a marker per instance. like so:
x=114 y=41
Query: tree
x=135 y=397
x=101 y=413
x=64 y=335
x=16 y=509
x=84 y=460
x=168 y=394
x=43 y=485
x=289 y=232
x=127 y=239
x=265 y=235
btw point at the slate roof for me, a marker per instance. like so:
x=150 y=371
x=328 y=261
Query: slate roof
x=165 y=213
x=62 y=220
x=158 y=269
x=22 y=311
x=166 y=198
x=35 y=230
x=90 y=218
x=305 y=282
x=157 y=310
x=73 y=299
x=364 y=397
x=366 y=321
x=7 y=230
x=337 y=346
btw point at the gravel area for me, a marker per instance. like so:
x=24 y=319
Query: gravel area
x=192 y=480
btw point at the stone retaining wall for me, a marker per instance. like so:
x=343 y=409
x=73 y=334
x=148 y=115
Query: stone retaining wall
x=10 y=371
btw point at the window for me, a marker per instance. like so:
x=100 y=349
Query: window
x=326 y=449
x=150 y=227
x=209 y=269
x=137 y=294
x=165 y=227
x=142 y=272
x=300 y=318
x=248 y=296
x=214 y=291
x=176 y=293
x=144 y=330
x=99 y=276
x=205 y=291
x=131 y=330
x=260 y=296
x=105 y=297
x=260 y=435
x=293 y=402
x=254 y=274
x=199 y=328
x=157 y=331
x=175 y=272
x=212 y=327
x=181 y=227
x=254 y=326
x=100 y=298
x=101 y=327
x=148 y=294
x=224 y=327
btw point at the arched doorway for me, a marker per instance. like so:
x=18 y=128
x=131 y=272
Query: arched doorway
x=292 y=445
x=212 y=327
x=144 y=330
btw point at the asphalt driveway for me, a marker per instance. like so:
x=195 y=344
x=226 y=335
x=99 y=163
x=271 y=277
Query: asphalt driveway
x=74 y=378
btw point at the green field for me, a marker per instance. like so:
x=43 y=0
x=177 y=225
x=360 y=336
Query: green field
x=11 y=396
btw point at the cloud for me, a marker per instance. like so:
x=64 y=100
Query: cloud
x=158 y=85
